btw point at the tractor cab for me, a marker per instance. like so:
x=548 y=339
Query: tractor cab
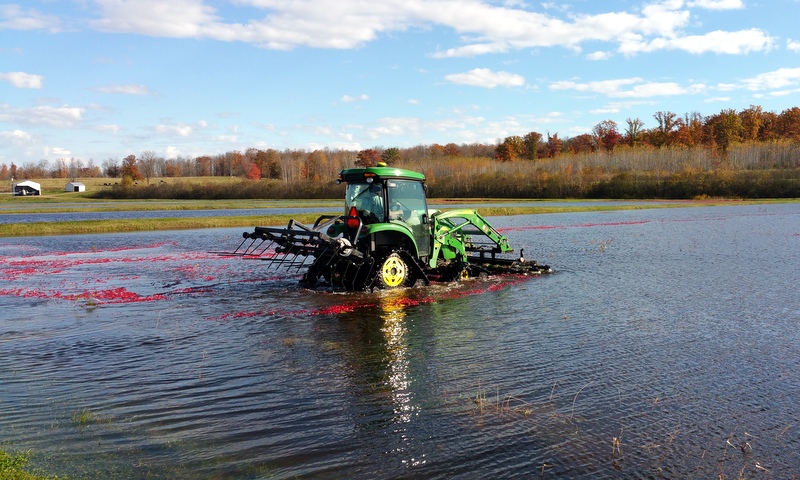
x=389 y=199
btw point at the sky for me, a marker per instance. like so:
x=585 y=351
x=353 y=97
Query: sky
x=103 y=79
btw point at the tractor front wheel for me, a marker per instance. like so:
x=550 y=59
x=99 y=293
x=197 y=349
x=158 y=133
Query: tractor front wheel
x=393 y=272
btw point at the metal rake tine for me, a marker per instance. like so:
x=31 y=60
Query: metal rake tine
x=238 y=250
x=286 y=259
x=259 y=251
x=240 y=246
x=306 y=258
x=249 y=248
x=302 y=264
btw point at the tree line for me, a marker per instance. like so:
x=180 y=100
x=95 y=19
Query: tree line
x=747 y=139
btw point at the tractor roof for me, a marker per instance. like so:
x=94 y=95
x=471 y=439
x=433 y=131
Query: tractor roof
x=379 y=173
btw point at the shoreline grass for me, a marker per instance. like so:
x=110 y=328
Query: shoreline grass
x=48 y=204
x=249 y=221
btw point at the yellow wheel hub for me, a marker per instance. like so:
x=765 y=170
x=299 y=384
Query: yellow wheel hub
x=393 y=271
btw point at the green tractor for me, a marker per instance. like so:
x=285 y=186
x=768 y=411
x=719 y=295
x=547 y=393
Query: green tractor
x=387 y=238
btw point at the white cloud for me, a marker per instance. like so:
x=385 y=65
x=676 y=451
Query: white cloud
x=483 y=77
x=605 y=110
x=113 y=129
x=721 y=42
x=793 y=46
x=13 y=17
x=393 y=127
x=783 y=93
x=22 y=79
x=173 y=152
x=484 y=27
x=457 y=123
x=616 y=107
x=598 y=56
x=129 y=89
x=472 y=50
x=727 y=87
x=777 y=79
x=717 y=4
x=60 y=152
x=174 y=130
x=175 y=18
x=57 y=117
x=17 y=136
x=629 y=88
x=780 y=82
x=349 y=99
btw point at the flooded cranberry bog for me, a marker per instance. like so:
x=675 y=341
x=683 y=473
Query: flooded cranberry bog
x=664 y=345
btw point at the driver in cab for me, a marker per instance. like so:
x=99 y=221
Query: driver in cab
x=371 y=205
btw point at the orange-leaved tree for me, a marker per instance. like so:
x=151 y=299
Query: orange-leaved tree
x=368 y=158
x=130 y=168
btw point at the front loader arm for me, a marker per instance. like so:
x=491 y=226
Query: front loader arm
x=453 y=233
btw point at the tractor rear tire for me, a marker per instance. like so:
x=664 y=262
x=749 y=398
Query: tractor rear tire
x=393 y=273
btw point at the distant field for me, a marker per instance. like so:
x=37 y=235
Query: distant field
x=55 y=186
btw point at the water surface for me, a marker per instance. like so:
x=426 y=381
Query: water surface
x=666 y=344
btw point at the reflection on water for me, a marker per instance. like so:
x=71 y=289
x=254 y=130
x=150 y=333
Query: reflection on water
x=665 y=345
x=394 y=334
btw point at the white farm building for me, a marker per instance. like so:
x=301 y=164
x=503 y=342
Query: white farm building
x=75 y=187
x=27 y=187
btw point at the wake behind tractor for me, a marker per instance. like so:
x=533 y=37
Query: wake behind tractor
x=387 y=238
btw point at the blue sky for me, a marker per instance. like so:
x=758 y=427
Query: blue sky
x=100 y=79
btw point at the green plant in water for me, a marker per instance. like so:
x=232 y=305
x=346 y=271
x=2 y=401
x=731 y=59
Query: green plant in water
x=83 y=417
x=12 y=467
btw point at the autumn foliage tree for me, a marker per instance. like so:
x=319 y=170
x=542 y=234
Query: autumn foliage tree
x=504 y=153
x=368 y=158
x=789 y=123
x=452 y=150
x=390 y=156
x=725 y=128
x=253 y=172
x=436 y=150
x=752 y=119
x=583 y=143
x=662 y=135
x=511 y=149
x=172 y=168
x=689 y=131
x=314 y=163
x=606 y=135
x=531 y=143
x=633 y=131
x=130 y=169
x=552 y=148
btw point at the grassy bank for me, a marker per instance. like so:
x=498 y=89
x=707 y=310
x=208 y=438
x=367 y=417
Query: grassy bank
x=144 y=224
x=48 y=204
x=248 y=221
